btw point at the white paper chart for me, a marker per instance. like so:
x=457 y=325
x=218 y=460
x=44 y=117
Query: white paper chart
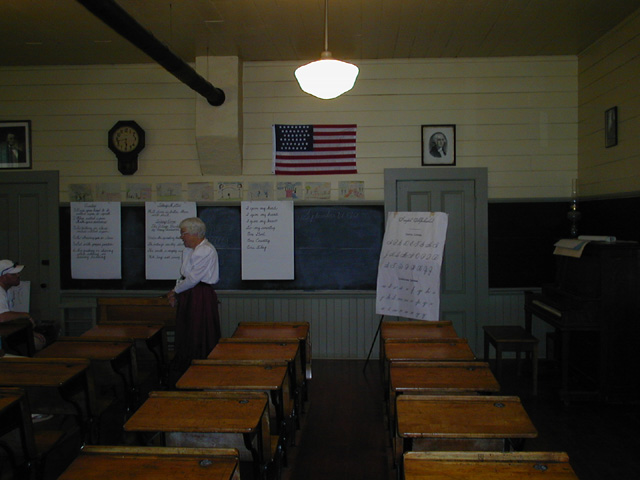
x=164 y=246
x=96 y=248
x=410 y=263
x=267 y=240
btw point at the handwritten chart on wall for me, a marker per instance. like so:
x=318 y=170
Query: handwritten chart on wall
x=95 y=240
x=410 y=263
x=163 y=243
x=267 y=240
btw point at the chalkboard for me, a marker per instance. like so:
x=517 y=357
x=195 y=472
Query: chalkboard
x=336 y=247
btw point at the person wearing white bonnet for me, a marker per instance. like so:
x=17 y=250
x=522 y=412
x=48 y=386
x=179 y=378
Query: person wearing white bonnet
x=10 y=277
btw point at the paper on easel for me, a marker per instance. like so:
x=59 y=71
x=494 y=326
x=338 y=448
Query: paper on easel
x=570 y=247
x=410 y=263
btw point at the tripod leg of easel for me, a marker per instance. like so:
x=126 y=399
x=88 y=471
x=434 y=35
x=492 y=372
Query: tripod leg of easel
x=373 y=343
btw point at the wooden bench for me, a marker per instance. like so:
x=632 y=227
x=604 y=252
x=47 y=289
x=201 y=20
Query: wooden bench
x=511 y=338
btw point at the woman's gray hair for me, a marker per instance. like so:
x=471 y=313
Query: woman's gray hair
x=194 y=226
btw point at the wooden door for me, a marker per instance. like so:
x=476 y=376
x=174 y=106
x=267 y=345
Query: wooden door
x=29 y=235
x=462 y=194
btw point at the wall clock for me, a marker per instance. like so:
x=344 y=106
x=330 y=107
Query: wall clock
x=126 y=140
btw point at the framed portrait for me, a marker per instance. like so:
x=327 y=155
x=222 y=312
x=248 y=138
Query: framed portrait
x=438 y=145
x=611 y=127
x=15 y=144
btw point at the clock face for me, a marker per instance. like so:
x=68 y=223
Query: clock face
x=125 y=138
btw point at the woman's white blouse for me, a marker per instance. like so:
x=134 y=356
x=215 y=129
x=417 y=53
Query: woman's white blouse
x=199 y=264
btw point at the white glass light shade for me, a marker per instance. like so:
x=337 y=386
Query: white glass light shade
x=327 y=78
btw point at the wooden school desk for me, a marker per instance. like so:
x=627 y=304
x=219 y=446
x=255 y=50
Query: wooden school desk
x=13 y=417
x=199 y=419
x=469 y=422
x=17 y=336
x=270 y=376
x=414 y=329
x=258 y=349
x=120 y=356
x=154 y=337
x=153 y=463
x=398 y=350
x=438 y=378
x=282 y=330
x=487 y=466
x=34 y=445
x=53 y=386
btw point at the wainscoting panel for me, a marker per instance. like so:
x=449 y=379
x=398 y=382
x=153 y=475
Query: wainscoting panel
x=343 y=323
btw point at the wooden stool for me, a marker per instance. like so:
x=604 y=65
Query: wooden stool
x=511 y=338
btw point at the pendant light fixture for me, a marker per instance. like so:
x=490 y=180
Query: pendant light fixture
x=326 y=78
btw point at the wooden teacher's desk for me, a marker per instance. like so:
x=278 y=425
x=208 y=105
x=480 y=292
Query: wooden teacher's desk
x=189 y=419
x=53 y=386
x=244 y=375
x=153 y=463
x=470 y=422
x=487 y=466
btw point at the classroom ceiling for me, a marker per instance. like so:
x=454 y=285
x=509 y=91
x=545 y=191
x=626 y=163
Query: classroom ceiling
x=64 y=32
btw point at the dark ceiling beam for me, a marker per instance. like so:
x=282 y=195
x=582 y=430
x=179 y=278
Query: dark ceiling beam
x=119 y=20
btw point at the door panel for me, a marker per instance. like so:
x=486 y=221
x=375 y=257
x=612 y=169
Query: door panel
x=464 y=283
x=29 y=235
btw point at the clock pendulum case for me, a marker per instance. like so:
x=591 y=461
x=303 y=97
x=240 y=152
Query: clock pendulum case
x=126 y=140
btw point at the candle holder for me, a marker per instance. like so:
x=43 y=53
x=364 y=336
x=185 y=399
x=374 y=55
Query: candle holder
x=574 y=215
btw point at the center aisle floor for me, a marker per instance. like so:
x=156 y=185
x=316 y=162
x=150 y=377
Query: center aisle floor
x=343 y=433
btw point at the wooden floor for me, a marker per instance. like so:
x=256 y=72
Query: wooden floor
x=343 y=434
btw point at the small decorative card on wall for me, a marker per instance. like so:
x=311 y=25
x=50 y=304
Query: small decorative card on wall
x=229 y=191
x=200 y=191
x=138 y=192
x=169 y=191
x=351 y=190
x=261 y=191
x=317 y=190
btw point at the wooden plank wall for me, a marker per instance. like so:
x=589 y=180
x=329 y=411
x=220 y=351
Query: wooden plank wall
x=515 y=116
x=608 y=77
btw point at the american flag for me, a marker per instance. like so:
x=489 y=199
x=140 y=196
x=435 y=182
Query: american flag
x=314 y=149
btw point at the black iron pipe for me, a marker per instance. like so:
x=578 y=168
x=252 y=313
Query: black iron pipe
x=119 y=20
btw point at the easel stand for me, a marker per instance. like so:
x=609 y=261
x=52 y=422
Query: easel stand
x=373 y=342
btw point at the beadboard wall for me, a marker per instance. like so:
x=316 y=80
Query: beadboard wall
x=343 y=325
